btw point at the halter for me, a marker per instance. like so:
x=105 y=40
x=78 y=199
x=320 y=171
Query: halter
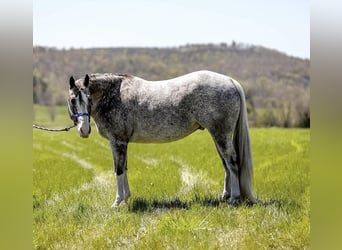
x=73 y=115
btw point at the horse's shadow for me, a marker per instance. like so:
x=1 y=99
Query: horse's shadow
x=140 y=204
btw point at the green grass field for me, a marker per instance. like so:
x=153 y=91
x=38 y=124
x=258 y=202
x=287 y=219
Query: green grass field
x=175 y=193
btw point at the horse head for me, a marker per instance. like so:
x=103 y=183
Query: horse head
x=79 y=105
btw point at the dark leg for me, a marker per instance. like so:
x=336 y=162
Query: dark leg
x=227 y=152
x=226 y=186
x=119 y=150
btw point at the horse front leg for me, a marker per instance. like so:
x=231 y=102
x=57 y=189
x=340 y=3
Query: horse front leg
x=127 y=191
x=119 y=150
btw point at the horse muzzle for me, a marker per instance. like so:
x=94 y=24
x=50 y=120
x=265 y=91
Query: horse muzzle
x=84 y=131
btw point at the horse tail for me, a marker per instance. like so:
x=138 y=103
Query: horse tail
x=242 y=144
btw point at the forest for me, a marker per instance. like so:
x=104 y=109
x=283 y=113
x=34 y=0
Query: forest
x=277 y=86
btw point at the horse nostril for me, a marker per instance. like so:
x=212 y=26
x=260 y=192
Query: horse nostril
x=84 y=133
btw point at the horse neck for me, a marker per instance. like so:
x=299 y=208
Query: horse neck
x=100 y=100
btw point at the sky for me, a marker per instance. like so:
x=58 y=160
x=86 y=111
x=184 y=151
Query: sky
x=275 y=24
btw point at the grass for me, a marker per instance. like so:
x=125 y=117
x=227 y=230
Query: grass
x=175 y=193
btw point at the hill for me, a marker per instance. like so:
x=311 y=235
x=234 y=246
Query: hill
x=276 y=85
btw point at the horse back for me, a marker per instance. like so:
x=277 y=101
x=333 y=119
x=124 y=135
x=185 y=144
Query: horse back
x=162 y=111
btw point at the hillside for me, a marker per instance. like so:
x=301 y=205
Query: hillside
x=276 y=85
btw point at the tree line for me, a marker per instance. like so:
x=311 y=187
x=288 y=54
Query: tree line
x=277 y=86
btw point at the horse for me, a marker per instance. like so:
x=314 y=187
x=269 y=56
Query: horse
x=127 y=109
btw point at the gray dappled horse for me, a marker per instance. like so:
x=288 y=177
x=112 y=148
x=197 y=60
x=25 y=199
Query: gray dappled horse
x=130 y=109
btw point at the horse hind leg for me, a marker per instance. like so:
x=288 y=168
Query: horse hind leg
x=226 y=187
x=227 y=153
x=226 y=194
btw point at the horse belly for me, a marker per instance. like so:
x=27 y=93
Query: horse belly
x=159 y=133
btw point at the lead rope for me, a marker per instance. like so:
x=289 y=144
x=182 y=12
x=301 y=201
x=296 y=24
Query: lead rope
x=53 y=129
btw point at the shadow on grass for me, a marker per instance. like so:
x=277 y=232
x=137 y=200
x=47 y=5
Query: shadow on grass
x=279 y=203
x=140 y=204
x=272 y=202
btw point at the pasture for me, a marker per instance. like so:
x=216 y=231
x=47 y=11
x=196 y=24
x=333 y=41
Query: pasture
x=175 y=193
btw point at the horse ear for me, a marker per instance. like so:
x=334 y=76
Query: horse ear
x=72 y=82
x=86 y=81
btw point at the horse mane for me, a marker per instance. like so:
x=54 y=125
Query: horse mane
x=108 y=77
x=108 y=86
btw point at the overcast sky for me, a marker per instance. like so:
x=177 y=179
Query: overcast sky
x=280 y=25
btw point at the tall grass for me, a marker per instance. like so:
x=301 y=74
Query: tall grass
x=175 y=193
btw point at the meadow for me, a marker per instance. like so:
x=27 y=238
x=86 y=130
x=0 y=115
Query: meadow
x=175 y=189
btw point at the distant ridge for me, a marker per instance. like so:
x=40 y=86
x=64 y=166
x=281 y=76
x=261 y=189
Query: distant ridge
x=243 y=62
x=272 y=79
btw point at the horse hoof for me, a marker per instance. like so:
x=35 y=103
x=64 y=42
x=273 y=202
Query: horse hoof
x=126 y=200
x=250 y=203
x=127 y=197
x=225 y=196
x=114 y=206
x=234 y=202
x=116 y=203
